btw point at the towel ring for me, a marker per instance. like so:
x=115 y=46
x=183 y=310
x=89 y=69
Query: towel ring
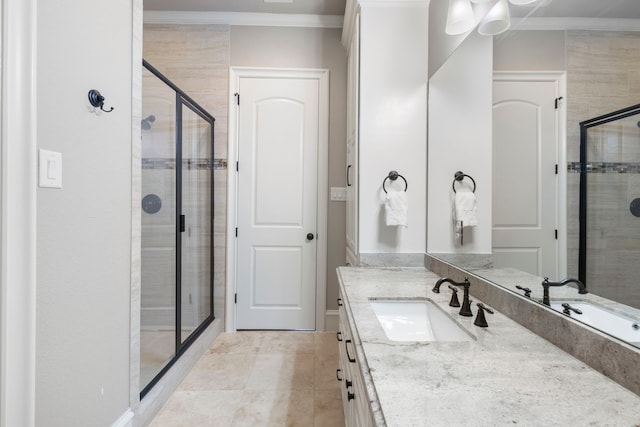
x=393 y=175
x=459 y=176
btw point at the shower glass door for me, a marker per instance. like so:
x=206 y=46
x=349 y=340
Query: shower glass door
x=196 y=247
x=610 y=205
x=177 y=225
x=158 y=257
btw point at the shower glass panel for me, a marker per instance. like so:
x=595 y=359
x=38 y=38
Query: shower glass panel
x=610 y=205
x=158 y=298
x=177 y=224
x=197 y=182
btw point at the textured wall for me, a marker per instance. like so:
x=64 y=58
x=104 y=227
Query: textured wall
x=84 y=228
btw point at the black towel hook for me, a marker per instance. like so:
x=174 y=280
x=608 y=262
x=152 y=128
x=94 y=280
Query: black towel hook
x=459 y=176
x=97 y=100
x=393 y=175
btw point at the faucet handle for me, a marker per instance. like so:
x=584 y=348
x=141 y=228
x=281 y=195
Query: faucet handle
x=454 y=297
x=568 y=309
x=527 y=291
x=481 y=321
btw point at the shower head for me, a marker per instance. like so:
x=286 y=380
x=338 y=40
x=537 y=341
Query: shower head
x=146 y=123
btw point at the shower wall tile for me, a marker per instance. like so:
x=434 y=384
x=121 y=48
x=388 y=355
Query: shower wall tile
x=602 y=76
x=136 y=196
x=196 y=59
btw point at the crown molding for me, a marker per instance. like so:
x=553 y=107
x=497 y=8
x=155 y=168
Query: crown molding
x=243 y=18
x=592 y=24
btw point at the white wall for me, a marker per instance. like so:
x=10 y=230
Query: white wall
x=460 y=132
x=84 y=229
x=393 y=74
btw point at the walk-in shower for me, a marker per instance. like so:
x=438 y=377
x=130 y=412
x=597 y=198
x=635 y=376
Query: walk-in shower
x=177 y=224
x=609 y=243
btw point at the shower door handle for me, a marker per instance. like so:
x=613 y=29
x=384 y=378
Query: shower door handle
x=183 y=226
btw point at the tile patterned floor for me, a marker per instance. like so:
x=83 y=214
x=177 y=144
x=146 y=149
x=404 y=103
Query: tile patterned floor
x=265 y=378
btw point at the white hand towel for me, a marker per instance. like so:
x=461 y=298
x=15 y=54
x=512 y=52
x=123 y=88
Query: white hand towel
x=465 y=209
x=396 y=208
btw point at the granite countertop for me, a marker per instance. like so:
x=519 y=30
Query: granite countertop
x=507 y=375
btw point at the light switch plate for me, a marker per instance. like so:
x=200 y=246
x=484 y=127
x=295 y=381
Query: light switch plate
x=338 y=194
x=50 y=169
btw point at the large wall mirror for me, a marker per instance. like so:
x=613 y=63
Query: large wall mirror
x=561 y=63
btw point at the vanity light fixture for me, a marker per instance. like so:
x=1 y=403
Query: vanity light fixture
x=497 y=20
x=460 y=18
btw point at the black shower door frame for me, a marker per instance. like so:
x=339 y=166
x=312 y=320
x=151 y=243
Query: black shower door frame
x=184 y=100
x=584 y=127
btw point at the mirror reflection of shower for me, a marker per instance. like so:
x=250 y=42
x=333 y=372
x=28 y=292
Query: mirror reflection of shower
x=146 y=123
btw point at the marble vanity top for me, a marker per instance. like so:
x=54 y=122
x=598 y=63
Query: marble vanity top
x=507 y=375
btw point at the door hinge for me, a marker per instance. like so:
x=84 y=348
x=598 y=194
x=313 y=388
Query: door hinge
x=556 y=169
x=556 y=234
x=235 y=298
x=236 y=231
x=557 y=101
x=237 y=95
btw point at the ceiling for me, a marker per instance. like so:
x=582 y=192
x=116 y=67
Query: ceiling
x=629 y=9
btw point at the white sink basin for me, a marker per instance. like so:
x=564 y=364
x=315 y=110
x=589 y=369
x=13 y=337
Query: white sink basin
x=607 y=321
x=417 y=320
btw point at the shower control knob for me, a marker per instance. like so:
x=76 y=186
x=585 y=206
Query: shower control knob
x=310 y=236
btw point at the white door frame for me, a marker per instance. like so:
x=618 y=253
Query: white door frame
x=322 y=76
x=560 y=78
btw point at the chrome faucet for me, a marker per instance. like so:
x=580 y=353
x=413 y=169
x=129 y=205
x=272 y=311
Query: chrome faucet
x=466 y=303
x=582 y=289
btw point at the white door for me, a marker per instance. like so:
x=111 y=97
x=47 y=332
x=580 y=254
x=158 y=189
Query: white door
x=525 y=155
x=278 y=133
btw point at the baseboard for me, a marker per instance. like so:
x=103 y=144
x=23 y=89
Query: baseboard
x=331 y=321
x=125 y=420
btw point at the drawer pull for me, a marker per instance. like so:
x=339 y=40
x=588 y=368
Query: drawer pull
x=350 y=396
x=337 y=374
x=351 y=359
x=339 y=336
x=339 y=302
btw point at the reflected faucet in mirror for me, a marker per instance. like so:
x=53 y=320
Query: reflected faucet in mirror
x=582 y=289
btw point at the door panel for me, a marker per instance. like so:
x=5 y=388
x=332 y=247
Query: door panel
x=525 y=141
x=277 y=203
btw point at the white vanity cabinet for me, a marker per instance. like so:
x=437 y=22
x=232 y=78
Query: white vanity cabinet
x=355 y=401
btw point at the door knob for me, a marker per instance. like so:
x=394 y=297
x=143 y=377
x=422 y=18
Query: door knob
x=310 y=236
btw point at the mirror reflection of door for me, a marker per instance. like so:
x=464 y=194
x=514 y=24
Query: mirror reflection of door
x=525 y=180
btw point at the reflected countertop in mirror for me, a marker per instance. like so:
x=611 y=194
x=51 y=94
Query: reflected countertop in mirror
x=512 y=278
